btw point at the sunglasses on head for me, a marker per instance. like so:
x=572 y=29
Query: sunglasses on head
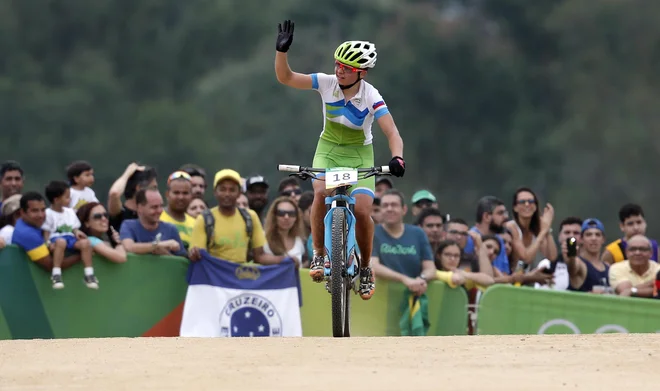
x=290 y=213
x=99 y=216
x=178 y=175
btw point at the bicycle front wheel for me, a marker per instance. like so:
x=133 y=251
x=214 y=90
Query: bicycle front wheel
x=338 y=285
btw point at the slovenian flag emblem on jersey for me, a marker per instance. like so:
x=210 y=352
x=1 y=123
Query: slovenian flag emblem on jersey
x=378 y=105
x=227 y=299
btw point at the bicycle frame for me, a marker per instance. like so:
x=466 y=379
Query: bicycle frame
x=341 y=206
x=340 y=199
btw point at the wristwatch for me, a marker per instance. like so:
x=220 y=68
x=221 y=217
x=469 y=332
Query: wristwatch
x=633 y=291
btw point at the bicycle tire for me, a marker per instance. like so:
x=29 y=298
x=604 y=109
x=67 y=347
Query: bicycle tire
x=337 y=277
x=347 y=306
x=347 y=303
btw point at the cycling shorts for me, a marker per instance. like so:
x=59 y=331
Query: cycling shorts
x=330 y=155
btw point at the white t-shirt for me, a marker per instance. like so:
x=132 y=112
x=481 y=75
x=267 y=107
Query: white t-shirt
x=348 y=123
x=81 y=197
x=60 y=224
x=296 y=251
x=6 y=233
x=561 y=276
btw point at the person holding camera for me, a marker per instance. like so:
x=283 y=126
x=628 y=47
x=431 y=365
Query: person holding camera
x=569 y=227
x=587 y=272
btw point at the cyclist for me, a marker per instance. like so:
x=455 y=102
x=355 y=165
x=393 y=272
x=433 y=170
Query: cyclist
x=350 y=106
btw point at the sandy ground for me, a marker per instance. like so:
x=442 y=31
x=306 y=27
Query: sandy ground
x=550 y=362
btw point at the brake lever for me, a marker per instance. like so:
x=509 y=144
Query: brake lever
x=304 y=175
x=370 y=174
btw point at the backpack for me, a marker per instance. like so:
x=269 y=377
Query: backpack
x=209 y=225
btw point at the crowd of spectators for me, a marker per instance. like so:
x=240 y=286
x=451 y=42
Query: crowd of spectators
x=250 y=220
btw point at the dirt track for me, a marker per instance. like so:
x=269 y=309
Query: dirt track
x=582 y=362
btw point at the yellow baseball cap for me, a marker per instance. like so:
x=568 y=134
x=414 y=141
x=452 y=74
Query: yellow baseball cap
x=227 y=174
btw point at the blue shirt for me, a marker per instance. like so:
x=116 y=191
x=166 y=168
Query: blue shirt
x=132 y=229
x=94 y=241
x=30 y=239
x=501 y=262
x=405 y=254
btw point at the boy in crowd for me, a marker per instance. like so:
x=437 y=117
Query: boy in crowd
x=632 y=222
x=81 y=179
x=62 y=232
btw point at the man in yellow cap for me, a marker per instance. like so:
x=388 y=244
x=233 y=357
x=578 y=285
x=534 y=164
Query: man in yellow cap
x=227 y=225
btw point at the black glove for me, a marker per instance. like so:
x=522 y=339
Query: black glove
x=397 y=166
x=284 y=36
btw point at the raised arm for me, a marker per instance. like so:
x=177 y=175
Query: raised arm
x=527 y=254
x=282 y=70
x=118 y=187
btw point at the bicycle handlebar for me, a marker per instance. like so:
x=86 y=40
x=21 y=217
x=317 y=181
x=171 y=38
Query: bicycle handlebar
x=291 y=168
x=308 y=172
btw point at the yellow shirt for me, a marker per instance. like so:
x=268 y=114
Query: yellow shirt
x=616 y=250
x=446 y=276
x=229 y=235
x=621 y=271
x=185 y=227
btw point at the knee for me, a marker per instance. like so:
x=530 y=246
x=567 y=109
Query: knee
x=60 y=243
x=362 y=210
x=84 y=244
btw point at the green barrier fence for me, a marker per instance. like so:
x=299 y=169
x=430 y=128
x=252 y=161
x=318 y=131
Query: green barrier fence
x=380 y=315
x=4 y=328
x=504 y=309
x=133 y=297
x=145 y=295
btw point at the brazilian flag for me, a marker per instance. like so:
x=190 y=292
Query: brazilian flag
x=414 y=315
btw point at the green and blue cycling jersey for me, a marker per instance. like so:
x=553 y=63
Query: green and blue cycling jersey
x=346 y=139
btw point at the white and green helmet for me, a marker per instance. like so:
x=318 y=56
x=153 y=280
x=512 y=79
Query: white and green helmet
x=357 y=54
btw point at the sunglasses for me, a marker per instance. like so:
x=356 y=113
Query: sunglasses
x=640 y=249
x=290 y=213
x=178 y=175
x=346 y=67
x=296 y=191
x=455 y=232
x=99 y=216
x=528 y=201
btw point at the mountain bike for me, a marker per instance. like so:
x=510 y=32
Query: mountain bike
x=339 y=235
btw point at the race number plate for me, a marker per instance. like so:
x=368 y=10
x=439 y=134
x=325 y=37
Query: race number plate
x=340 y=176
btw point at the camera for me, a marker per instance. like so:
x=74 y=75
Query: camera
x=571 y=245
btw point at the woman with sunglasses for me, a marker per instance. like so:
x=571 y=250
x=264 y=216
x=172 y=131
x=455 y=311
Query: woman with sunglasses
x=95 y=223
x=531 y=233
x=284 y=230
x=350 y=107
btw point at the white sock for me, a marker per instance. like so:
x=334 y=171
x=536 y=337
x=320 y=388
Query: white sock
x=57 y=270
x=89 y=271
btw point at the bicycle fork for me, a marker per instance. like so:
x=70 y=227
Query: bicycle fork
x=351 y=267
